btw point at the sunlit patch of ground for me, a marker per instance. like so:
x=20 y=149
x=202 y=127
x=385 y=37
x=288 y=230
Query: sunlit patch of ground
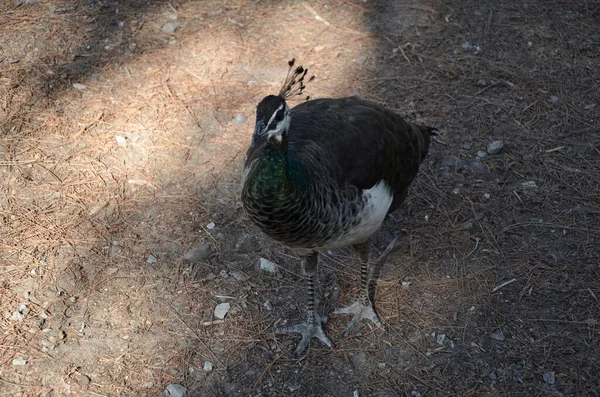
x=121 y=147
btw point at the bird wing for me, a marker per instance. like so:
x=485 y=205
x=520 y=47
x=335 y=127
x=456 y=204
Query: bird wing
x=359 y=142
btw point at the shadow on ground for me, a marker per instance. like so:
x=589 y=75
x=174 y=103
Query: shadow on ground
x=493 y=290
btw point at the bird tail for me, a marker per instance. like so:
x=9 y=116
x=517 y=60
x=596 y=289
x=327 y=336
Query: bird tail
x=425 y=134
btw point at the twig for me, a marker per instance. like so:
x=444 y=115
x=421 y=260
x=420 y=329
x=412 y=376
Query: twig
x=317 y=16
x=484 y=89
x=504 y=284
x=214 y=322
x=264 y=372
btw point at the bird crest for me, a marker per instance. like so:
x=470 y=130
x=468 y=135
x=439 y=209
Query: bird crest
x=294 y=81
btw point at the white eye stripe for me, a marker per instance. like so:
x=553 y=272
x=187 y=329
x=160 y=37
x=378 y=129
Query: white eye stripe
x=274 y=114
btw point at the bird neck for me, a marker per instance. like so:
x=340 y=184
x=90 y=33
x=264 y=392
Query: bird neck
x=278 y=176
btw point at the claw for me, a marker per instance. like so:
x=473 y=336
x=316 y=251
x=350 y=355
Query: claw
x=360 y=311
x=311 y=329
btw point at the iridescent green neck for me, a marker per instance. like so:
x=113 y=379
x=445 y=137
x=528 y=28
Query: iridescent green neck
x=276 y=178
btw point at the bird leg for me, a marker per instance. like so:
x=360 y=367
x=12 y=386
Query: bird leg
x=363 y=307
x=312 y=328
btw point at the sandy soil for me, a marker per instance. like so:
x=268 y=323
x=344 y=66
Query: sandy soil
x=121 y=146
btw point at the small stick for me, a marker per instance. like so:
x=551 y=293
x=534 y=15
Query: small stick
x=484 y=89
x=504 y=284
x=317 y=16
x=556 y=149
x=214 y=322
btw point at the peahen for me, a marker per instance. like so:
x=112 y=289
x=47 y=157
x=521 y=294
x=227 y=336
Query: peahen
x=324 y=175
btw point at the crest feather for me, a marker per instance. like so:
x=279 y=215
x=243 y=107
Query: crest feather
x=294 y=81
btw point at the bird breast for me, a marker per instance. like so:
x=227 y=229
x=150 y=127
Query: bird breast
x=325 y=217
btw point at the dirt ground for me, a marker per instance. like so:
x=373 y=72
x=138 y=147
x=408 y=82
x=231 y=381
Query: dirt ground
x=121 y=147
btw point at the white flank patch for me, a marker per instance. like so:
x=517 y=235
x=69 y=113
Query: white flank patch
x=379 y=199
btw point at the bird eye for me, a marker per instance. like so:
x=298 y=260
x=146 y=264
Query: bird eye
x=279 y=116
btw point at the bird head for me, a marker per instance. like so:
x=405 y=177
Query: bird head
x=272 y=118
x=273 y=113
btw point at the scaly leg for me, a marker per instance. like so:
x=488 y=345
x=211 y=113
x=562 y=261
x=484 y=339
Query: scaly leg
x=312 y=328
x=363 y=307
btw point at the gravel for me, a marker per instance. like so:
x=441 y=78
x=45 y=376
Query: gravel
x=21 y=312
x=497 y=335
x=170 y=28
x=221 y=310
x=495 y=147
x=549 y=378
x=239 y=118
x=19 y=362
x=267 y=266
x=175 y=390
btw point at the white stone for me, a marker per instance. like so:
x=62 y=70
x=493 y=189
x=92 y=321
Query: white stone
x=267 y=266
x=221 y=310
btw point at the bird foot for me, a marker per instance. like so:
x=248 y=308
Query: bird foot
x=360 y=311
x=311 y=329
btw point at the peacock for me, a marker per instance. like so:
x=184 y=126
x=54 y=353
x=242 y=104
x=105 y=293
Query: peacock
x=324 y=175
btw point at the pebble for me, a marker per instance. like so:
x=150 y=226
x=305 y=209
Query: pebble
x=268 y=305
x=21 y=312
x=121 y=140
x=554 y=99
x=319 y=48
x=84 y=379
x=361 y=60
x=199 y=254
x=486 y=196
x=549 y=378
x=497 y=335
x=481 y=154
x=495 y=147
x=208 y=366
x=221 y=310
x=19 y=362
x=466 y=225
x=79 y=86
x=529 y=185
x=267 y=266
x=175 y=390
x=239 y=118
x=440 y=338
x=170 y=28
x=211 y=226
x=151 y=260
x=481 y=83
